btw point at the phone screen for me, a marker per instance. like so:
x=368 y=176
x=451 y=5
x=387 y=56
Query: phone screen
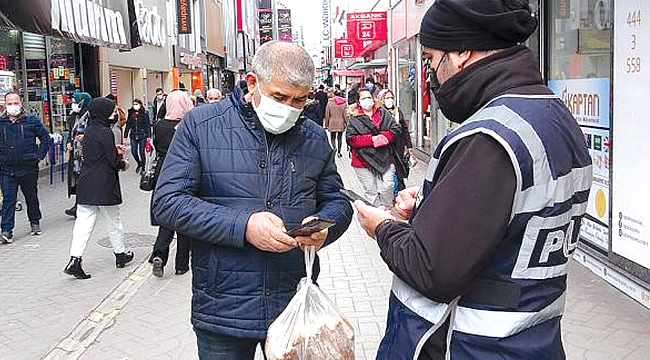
x=352 y=196
x=310 y=227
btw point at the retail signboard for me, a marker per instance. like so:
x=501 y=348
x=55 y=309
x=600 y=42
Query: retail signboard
x=589 y=102
x=344 y=49
x=184 y=16
x=266 y=19
x=631 y=171
x=152 y=23
x=110 y=23
x=284 y=18
x=326 y=33
x=368 y=31
x=587 y=99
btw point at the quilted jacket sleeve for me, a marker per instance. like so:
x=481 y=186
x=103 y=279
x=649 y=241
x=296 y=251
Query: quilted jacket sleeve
x=176 y=204
x=331 y=204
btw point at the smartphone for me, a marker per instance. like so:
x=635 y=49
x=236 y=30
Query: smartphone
x=352 y=196
x=310 y=227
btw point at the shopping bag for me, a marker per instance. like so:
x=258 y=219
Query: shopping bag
x=311 y=327
x=147 y=146
x=148 y=179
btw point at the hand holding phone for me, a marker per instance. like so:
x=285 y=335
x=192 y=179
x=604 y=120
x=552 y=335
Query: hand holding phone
x=352 y=196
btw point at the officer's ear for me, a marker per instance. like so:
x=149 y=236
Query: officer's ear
x=251 y=82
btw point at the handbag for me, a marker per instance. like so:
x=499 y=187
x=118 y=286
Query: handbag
x=148 y=179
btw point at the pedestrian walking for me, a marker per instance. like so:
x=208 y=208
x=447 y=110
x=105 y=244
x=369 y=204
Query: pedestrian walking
x=159 y=110
x=372 y=87
x=322 y=98
x=336 y=120
x=138 y=130
x=98 y=191
x=481 y=266
x=370 y=134
x=19 y=157
x=236 y=176
x=77 y=122
x=198 y=98
x=403 y=145
x=178 y=104
x=353 y=94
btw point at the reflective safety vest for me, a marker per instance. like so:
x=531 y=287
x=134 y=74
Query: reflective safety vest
x=518 y=299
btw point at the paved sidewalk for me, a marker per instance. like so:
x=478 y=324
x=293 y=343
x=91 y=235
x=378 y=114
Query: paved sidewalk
x=129 y=314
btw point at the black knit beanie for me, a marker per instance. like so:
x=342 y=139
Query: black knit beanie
x=458 y=25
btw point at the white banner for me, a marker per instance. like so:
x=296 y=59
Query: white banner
x=631 y=133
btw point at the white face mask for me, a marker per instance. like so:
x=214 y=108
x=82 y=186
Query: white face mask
x=75 y=108
x=136 y=107
x=13 y=110
x=366 y=104
x=159 y=97
x=389 y=103
x=276 y=117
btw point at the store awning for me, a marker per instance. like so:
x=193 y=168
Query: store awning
x=115 y=21
x=348 y=73
x=372 y=64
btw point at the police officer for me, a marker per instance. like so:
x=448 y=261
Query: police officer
x=480 y=267
x=19 y=157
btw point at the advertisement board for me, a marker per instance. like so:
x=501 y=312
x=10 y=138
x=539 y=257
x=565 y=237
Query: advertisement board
x=589 y=102
x=367 y=31
x=110 y=23
x=631 y=171
x=344 y=49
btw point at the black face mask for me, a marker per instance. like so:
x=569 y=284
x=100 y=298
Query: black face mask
x=435 y=83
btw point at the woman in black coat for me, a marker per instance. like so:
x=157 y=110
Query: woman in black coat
x=178 y=103
x=76 y=123
x=138 y=129
x=98 y=191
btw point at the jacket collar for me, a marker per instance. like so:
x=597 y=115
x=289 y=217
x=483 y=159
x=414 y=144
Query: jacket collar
x=469 y=90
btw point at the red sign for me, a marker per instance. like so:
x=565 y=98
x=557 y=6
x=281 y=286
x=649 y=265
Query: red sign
x=368 y=31
x=344 y=49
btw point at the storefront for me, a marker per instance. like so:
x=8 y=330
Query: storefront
x=136 y=74
x=603 y=83
x=45 y=71
x=215 y=47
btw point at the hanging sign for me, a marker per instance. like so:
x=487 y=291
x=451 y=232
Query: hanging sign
x=368 y=31
x=184 y=16
x=631 y=134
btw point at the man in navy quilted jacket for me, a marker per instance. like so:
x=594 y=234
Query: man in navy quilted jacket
x=237 y=176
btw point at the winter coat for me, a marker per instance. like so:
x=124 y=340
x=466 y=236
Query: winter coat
x=336 y=115
x=99 y=182
x=311 y=111
x=77 y=123
x=322 y=99
x=19 y=153
x=159 y=114
x=163 y=134
x=137 y=126
x=359 y=135
x=220 y=168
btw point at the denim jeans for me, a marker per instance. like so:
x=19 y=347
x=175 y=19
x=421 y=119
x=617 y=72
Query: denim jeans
x=220 y=347
x=28 y=184
x=138 y=151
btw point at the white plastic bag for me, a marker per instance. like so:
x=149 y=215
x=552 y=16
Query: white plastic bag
x=311 y=327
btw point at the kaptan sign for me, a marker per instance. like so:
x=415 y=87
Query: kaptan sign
x=151 y=25
x=96 y=22
x=89 y=19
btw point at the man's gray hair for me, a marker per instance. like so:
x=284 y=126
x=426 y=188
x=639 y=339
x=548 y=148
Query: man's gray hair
x=285 y=62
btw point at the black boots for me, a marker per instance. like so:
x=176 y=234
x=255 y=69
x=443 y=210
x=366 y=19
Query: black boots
x=72 y=211
x=74 y=268
x=122 y=259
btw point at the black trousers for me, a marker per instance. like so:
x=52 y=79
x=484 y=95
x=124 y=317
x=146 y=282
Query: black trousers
x=337 y=140
x=161 y=248
x=28 y=184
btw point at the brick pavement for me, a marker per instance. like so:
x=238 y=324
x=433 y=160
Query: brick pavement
x=42 y=306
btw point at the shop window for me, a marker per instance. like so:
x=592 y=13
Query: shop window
x=63 y=80
x=580 y=58
x=11 y=76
